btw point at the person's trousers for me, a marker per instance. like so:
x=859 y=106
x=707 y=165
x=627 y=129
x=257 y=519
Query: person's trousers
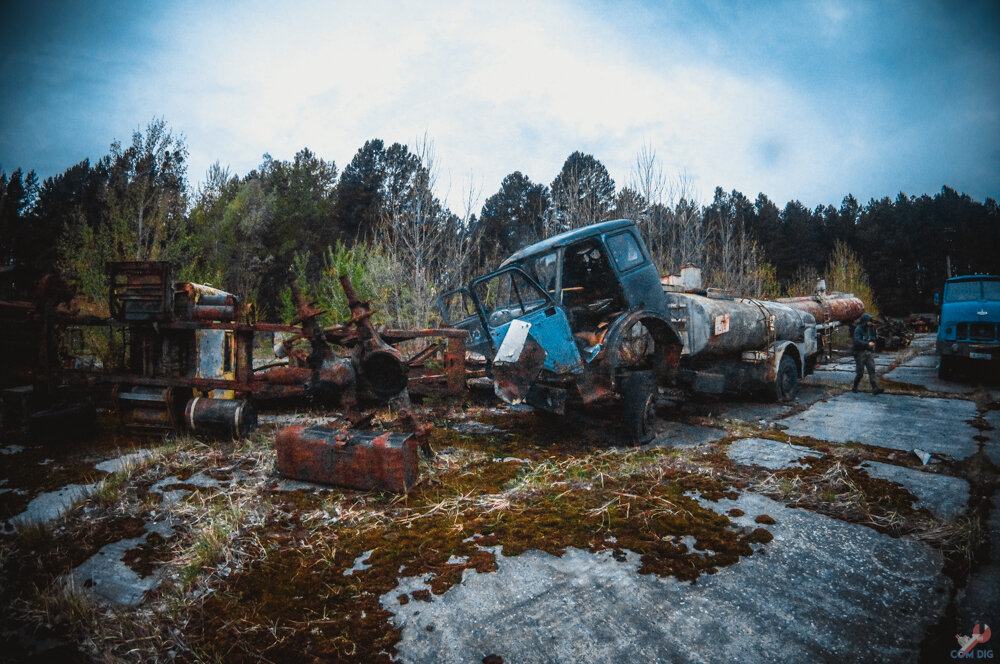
x=864 y=360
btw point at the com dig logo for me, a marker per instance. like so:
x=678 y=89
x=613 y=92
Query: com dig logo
x=970 y=646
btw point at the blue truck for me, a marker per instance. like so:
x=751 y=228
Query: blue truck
x=969 y=329
x=584 y=316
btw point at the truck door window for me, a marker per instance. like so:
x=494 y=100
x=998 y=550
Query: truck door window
x=543 y=269
x=507 y=296
x=457 y=306
x=587 y=275
x=590 y=289
x=625 y=251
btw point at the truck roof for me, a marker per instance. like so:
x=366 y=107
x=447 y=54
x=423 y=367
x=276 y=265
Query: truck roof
x=974 y=277
x=568 y=237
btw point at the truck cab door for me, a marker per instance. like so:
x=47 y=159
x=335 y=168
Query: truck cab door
x=458 y=310
x=512 y=305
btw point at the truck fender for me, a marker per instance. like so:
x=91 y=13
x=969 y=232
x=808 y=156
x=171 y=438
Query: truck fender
x=666 y=341
x=779 y=349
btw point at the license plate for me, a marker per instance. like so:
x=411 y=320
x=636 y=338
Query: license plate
x=981 y=356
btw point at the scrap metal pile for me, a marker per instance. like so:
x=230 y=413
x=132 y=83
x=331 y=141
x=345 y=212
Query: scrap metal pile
x=186 y=362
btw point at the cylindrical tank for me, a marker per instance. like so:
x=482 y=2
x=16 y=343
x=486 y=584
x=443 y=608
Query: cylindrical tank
x=149 y=409
x=201 y=302
x=718 y=325
x=385 y=372
x=832 y=308
x=234 y=418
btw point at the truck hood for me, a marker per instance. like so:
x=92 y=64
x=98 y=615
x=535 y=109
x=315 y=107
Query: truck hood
x=968 y=312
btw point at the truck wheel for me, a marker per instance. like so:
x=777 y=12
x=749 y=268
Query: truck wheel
x=946 y=370
x=786 y=382
x=639 y=405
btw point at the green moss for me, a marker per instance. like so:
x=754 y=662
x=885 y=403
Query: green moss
x=468 y=505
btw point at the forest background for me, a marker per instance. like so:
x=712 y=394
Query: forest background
x=381 y=221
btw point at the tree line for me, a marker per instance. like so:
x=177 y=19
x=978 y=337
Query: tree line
x=381 y=220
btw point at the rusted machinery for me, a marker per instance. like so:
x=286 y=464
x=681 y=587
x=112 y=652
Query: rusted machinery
x=186 y=357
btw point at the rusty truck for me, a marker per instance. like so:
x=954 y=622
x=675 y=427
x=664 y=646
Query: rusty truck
x=585 y=316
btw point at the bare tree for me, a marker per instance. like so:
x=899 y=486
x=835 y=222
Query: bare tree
x=460 y=239
x=414 y=224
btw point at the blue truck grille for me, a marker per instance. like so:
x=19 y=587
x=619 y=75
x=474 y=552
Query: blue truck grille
x=977 y=331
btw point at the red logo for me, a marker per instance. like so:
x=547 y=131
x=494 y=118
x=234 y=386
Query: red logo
x=967 y=643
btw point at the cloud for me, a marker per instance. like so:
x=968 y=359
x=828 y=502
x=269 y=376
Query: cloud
x=498 y=89
x=737 y=97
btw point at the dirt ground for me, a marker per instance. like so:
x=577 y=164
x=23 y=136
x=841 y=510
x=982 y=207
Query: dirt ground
x=118 y=549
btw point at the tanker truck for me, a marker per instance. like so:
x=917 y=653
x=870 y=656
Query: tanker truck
x=585 y=317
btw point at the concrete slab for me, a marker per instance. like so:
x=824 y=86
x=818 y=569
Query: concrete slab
x=839 y=365
x=925 y=361
x=678 y=434
x=830 y=376
x=898 y=422
x=199 y=479
x=769 y=453
x=125 y=461
x=979 y=601
x=927 y=377
x=108 y=579
x=756 y=413
x=825 y=590
x=51 y=505
x=946 y=497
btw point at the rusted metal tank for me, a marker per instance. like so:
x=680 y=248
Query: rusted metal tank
x=150 y=409
x=362 y=460
x=829 y=308
x=201 y=302
x=723 y=324
x=234 y=418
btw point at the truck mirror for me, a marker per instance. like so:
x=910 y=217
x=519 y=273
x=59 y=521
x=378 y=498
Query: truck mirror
x=937 y=299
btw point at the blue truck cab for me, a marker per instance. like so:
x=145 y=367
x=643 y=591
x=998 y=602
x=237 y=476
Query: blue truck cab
x=969 y=330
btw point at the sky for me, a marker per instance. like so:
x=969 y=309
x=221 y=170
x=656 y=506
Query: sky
x=805 y=100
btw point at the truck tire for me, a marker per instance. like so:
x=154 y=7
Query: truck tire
x=946 y=369
x=786 y=380
x=639 y=406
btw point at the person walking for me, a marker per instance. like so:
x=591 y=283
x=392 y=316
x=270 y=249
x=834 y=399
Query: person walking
x=865 y=336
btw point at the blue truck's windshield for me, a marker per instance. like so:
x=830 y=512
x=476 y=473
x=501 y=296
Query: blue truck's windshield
x=968 y=291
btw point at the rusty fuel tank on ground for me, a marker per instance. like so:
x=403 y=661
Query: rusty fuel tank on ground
x=361 y=460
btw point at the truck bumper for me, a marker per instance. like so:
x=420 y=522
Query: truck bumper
x=968 y=350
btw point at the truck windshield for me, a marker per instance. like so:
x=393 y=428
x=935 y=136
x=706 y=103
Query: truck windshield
x=968 y=291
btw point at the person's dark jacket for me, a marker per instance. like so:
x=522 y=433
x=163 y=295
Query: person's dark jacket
x=863 y=335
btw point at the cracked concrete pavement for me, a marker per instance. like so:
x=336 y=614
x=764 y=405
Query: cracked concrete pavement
x=822 y=590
